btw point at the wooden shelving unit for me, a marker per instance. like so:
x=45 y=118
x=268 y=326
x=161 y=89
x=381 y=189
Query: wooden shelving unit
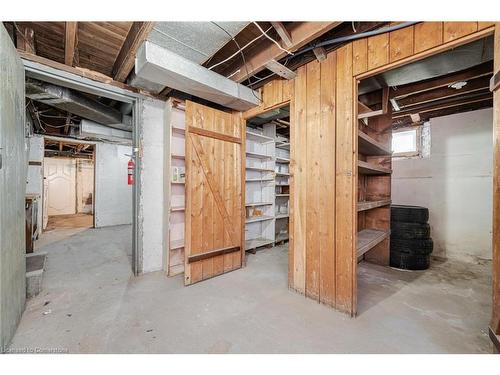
x=368 y=205
x=177 y=190
x=374 y=182
x=368 y=239
x=372 y=169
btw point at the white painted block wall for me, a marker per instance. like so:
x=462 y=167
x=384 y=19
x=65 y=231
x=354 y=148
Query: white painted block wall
x=35 y=174
x=153 y=204
x=455 y=183
x=113 y=196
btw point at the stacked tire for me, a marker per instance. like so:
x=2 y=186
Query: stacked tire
x=411 y=243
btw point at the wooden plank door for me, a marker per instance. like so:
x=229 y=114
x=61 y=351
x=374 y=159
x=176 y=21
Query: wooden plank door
x=214 y=231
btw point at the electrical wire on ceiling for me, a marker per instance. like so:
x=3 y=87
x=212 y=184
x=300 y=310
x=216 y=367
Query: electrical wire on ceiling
x=242 y=57
x=242 y=48
x=271 y=39
x=343 y=39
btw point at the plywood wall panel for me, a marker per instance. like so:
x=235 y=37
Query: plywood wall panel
x=428 y=35
x=345 y=275
x=326 y=142
x=455 y=30
x=298 y=179
x=360 y=56
x=401 y=43
x=313 y=102
x=378 y=51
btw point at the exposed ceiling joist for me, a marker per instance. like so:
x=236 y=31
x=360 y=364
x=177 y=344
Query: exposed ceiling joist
x=320 y=53
x=25 y=39
x=283 y=33
x=302 y=34
x=126 y=58
x=442 y=92
x=70 y=42
x=280 y=70
x=445 y=103
x=415 y=88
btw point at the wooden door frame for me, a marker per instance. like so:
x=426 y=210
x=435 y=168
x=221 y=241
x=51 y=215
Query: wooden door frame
x=480 y=34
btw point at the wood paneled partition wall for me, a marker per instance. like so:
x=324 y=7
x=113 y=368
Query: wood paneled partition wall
x=323 y=222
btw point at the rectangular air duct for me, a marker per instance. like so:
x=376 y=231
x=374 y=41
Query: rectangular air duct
x=161 y=66
x=78 y=104
x=92 y=130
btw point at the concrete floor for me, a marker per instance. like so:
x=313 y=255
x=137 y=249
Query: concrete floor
x=91 y=304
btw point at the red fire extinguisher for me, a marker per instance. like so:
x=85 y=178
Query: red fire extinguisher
x=130 y=171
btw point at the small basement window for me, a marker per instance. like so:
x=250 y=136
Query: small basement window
x=404 y=143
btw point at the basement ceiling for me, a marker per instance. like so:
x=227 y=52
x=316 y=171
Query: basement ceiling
x=195 y=41
x=451 y=61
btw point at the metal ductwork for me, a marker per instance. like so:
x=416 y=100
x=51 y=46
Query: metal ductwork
x=78 y=104
x=195 y=41
x=92 y=130
x=161 y=66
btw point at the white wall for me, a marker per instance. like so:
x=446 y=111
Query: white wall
x=455 y=183
x=153 y=203
x=35 y=174
x=113 y=196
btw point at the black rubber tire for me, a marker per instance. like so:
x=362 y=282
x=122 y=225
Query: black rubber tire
x=410 y=231
x=414 y=247
x=409 y=262
x=409 y=214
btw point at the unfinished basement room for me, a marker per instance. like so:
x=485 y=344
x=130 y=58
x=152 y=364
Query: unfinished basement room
x=250 y=187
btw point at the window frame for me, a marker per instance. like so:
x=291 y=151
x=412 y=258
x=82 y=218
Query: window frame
x=418 y=142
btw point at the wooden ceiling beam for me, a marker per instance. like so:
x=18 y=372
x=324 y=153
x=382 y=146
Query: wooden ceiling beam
x=444 y=103
x=70 y=42
x=482 y=70
x=477 y=84
x=126 y=57
x=25 y=38
x=283 y=33
x=302 y=34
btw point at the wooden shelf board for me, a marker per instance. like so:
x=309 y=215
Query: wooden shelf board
x=178 y=130
x=282 y=237
x=257 y=242
x=258 y=137
x=177 y=208
x=259 y=169
x=369 y=146
x=256 y=204
x=372 y=169
x=282 y=160
x=370 y=114
x=282 y=174
x=259 y=180
x=282 y=195
x=368 y=205
x=176 y=244
x=367 y=239
x=177 y=156
x=257 y=155
x=283 y=145
x=258 y=218
x=282 y=216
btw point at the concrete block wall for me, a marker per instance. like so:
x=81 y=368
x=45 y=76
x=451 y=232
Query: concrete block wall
x=455 y=183
x=153 y=203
